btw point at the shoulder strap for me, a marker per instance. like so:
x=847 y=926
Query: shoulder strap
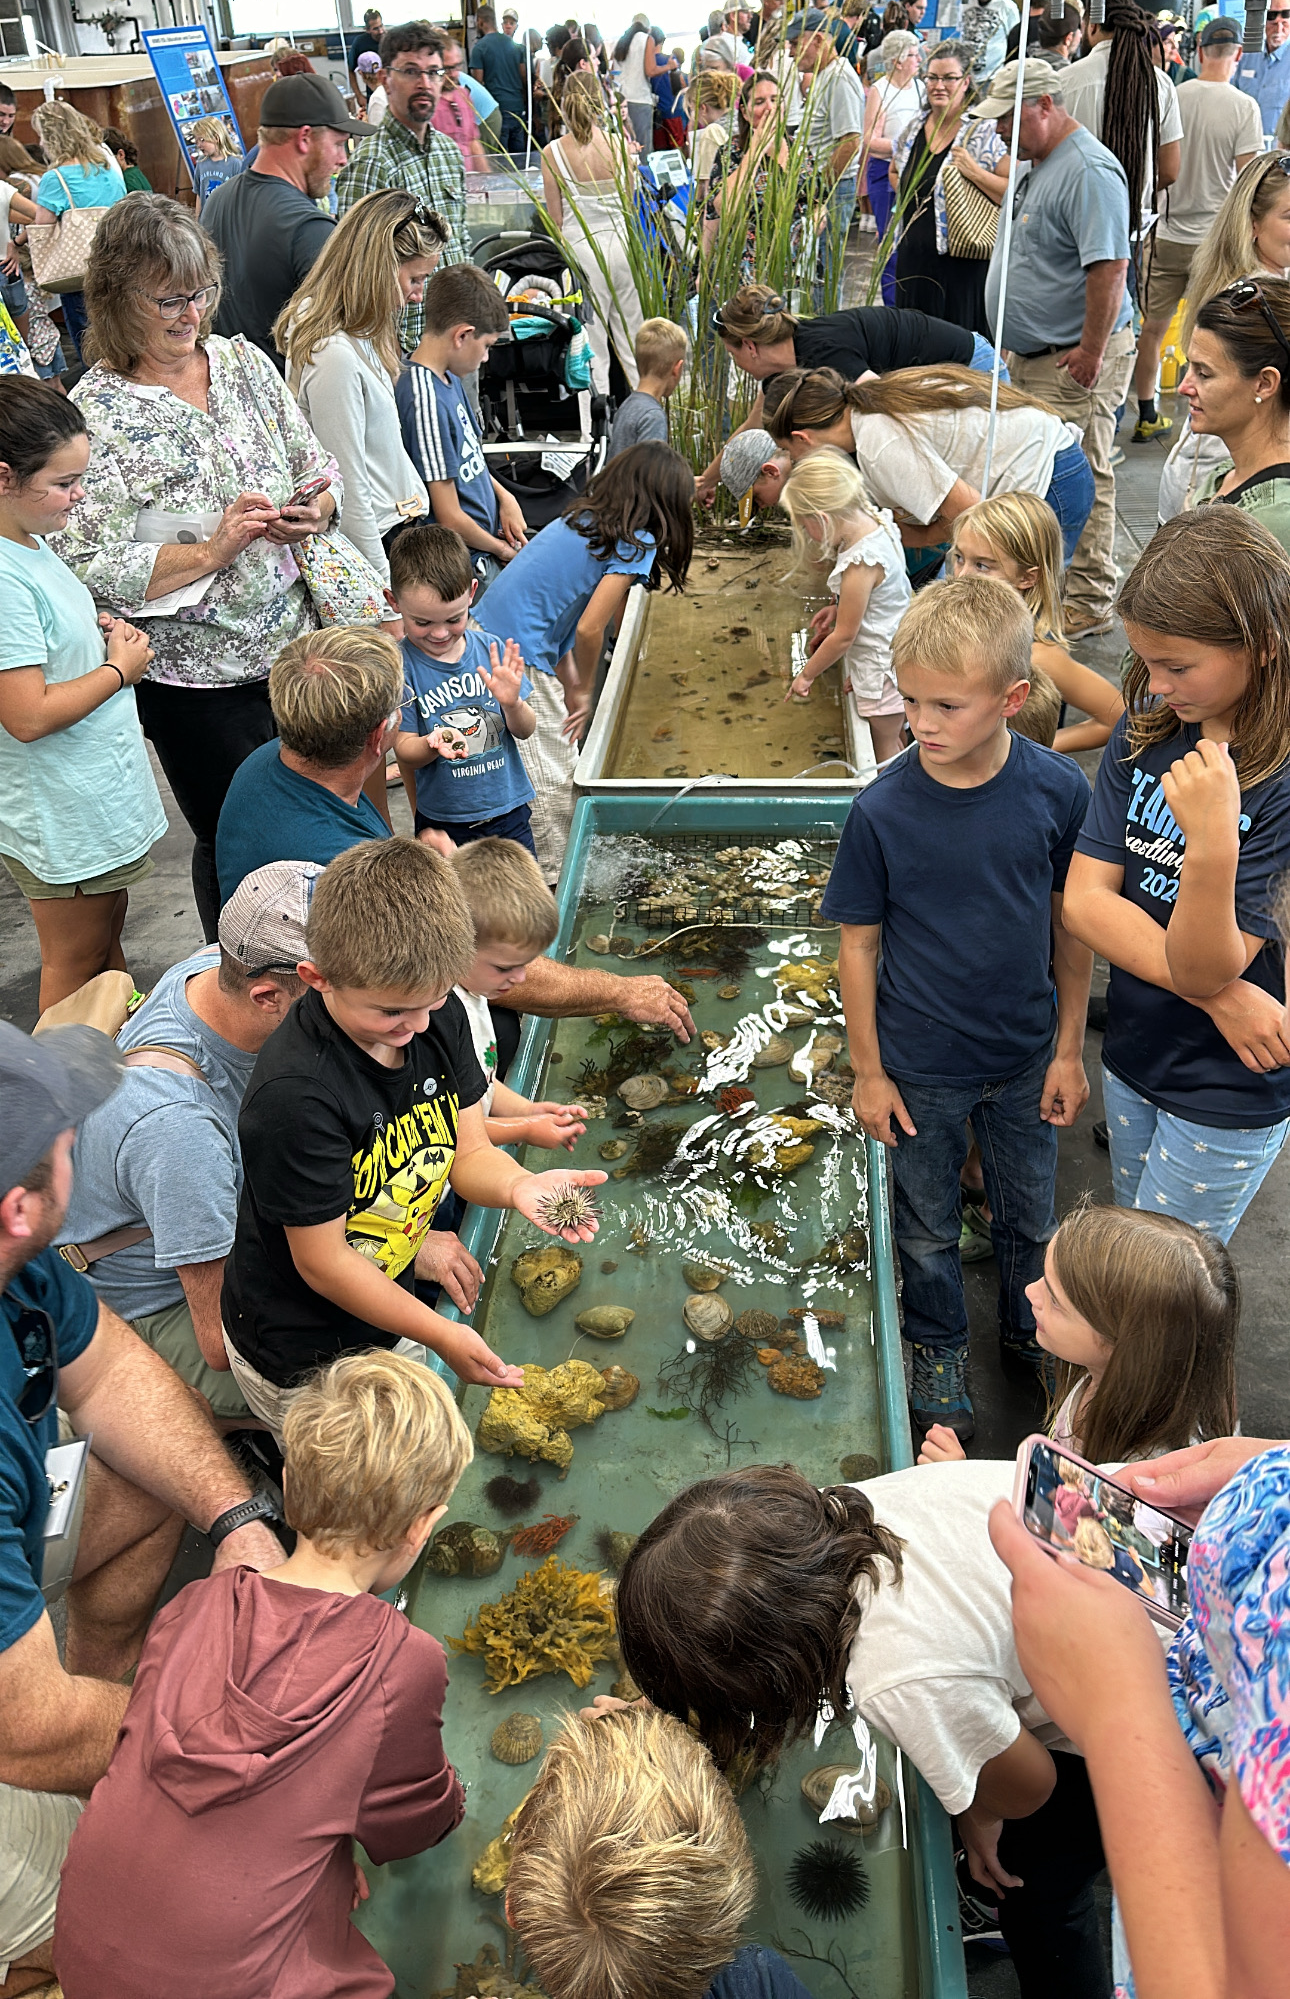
x=155 y=1055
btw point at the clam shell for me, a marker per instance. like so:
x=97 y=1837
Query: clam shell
x=774 y=1054
x=705 y=1276
x=605 y=1322
x=518 y=1739
x=620 y=1389
x=644 y=1093
x=817 y=1789
x=597 y=942
x=614 y=1148
x=706 y=1315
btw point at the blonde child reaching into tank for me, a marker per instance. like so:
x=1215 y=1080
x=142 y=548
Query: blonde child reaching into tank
x=1141 y=1312
x=834 y=520
x=1015 y=536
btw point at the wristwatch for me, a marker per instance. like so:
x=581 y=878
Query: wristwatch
x=262 y=1507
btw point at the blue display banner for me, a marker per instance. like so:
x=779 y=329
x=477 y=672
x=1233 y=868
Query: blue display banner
x=192 y=85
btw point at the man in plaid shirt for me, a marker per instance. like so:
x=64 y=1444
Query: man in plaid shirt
x=406 y=151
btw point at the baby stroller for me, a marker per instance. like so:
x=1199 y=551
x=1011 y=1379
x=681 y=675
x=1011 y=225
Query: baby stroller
x=545 y=433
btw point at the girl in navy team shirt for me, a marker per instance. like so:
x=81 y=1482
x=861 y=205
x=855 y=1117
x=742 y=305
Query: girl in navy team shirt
x=1194 y=1061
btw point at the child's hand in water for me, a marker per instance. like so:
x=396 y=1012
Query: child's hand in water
x=799 y=689
x=940 y=1446
x=822 y=624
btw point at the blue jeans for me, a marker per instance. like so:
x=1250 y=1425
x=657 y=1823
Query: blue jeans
x=75 y=318
x=983 y=358
x=1019 y=1163
x=514 y=825
x=1202 y=1173
x=1070 y=494
x=826 y=291
x=642 y=123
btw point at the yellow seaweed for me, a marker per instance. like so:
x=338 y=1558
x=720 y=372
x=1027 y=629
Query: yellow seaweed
x=557 y=1619
x=814 y=978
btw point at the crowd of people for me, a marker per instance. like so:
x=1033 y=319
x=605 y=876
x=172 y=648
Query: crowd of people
x=250 y=538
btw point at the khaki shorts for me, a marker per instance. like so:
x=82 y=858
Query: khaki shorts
x=35 y=1827
x=1168 y=269
x=111 y=883
x=271 y=1403
x=170 y=1333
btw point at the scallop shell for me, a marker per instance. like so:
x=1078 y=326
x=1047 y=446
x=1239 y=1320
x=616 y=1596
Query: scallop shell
x=644 y=1093
x=707 y=1316
x=518 y=1739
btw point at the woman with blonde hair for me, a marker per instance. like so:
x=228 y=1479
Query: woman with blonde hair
x=587 y=181
x=1016 y=537
x=709 y=105
x=81 y=173
x=340 y=336
x=1248 y=238
x=920 y=437
x=836 y=523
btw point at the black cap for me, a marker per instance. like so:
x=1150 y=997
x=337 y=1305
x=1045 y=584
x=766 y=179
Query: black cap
x=1220 y=31
x=808 y=23
x=309 y=100
x=46 y=1084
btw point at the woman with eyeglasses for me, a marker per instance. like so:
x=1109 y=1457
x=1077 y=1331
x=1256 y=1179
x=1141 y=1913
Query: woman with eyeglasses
x=928 y=156
x=189 y=516
x=1237 y=388
x=1249 y=237
x=340 y=334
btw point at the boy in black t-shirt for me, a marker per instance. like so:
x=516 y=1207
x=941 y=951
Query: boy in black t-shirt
x=953 y=864
x=362 y=1108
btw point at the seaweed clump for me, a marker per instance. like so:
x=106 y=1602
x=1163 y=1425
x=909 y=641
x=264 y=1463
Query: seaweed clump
x=656 y=1147
x=489 y=1974
x=557 y=1619
x=703 y=1380
x=828 y=1881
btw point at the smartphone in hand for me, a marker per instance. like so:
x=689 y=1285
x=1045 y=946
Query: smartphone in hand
x=1071 y=1508
x=306 y=494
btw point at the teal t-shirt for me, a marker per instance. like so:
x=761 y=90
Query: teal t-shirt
x=89 y=187
x=83 y=801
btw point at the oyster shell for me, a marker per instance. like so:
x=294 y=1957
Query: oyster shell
x=605 y=1322
x=545 y=1276
x=707 y=1316
x=643 y=1093
x=517 y=1739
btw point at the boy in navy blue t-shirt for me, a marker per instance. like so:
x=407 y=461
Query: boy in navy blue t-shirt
x=948 y=886
x=465 y=317
x=466 y=703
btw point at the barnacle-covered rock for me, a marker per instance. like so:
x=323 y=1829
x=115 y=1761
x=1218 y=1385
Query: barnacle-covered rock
x=534 y=1421
x=464 y=1549
x=545 y=1275
x=796 y=1375
x=557 y=1619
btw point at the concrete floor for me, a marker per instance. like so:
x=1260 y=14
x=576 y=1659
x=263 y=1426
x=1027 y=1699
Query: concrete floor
x=162 y=927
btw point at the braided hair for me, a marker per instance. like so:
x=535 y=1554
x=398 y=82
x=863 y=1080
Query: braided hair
x=1131 y=109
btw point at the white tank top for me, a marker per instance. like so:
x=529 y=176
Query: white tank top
x=632 y=81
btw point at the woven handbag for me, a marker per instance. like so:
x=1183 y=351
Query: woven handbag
x=342 y=584
x=971 y=218
x=60 y=250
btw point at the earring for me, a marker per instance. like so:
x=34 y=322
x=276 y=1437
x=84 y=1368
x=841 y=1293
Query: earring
x=1258 y=399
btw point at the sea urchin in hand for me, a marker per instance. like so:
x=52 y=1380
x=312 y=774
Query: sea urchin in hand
x=828 y=1881
x=567 y=1207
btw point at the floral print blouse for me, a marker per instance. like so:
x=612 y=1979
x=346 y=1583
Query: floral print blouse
x=981 y=138
x=149 y=450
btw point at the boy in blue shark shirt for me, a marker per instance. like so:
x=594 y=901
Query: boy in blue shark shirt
x=466 y=703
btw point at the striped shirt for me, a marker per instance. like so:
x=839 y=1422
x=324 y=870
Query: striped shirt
x=391 y=157
x=441 y=440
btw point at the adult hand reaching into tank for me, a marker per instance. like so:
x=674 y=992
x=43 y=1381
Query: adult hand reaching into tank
x=444 y=1260
x=651 y=1002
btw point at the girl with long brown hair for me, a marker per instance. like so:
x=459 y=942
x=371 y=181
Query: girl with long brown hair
x=1196 y=1055
x=756 y=1608
x=920 y=439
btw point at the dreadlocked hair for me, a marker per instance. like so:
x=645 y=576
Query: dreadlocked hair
x=1131 y=108
x=738 y=1606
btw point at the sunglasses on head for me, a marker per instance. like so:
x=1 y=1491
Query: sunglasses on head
x=768 y=311
x=1247 y=295
x=37 y=1344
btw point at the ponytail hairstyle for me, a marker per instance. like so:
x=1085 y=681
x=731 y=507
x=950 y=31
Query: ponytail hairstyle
x=582 y=106
x=1131 y=107
x=1165 y=1298
x=756 y=313
x=1228 y=250
x=738 y=1606
x=647 y=490
x=35 y=422
x=814 y=399
x=1022 y=528
x=825 y=487
x=1218 y=576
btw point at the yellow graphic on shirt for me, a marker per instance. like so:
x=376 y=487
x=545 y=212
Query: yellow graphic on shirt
x=399 y=1179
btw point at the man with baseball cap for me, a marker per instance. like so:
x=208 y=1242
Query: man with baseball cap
x=753 y=463
x=1067 y=318
x=1221 y=134
x=832 y=125
x=265 y=220
x=158 y=1169
x=155 y=1463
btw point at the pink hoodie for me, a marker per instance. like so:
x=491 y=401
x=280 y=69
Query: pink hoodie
x=268 y=1727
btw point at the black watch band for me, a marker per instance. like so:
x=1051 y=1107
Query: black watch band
x=262 y=1507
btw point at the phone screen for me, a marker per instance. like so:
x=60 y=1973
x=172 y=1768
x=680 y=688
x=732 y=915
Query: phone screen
x=1106 y=1527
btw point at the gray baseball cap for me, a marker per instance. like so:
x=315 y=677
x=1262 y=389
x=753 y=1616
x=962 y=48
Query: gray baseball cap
x=309 y=100
x=263 y=922
x=47 y=1084
x=743 y=459
x=1039 y=79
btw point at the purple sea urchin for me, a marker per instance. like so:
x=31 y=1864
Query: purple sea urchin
x=828 y=1881
x=568 y=1207
x=512 y=1496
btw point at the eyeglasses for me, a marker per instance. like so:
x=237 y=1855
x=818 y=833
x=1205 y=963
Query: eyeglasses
x=37 y=1343
x=171 y=308
x=451 y=69
x=1247 y=292
x=435 y=69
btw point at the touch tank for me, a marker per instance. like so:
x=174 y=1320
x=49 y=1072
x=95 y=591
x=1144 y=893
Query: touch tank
x=736 y=1302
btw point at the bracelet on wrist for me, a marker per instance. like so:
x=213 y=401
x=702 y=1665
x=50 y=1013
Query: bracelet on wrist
x=112 y=667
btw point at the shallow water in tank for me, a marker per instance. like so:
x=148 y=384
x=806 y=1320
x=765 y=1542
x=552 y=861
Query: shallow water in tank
x=698 y=1180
